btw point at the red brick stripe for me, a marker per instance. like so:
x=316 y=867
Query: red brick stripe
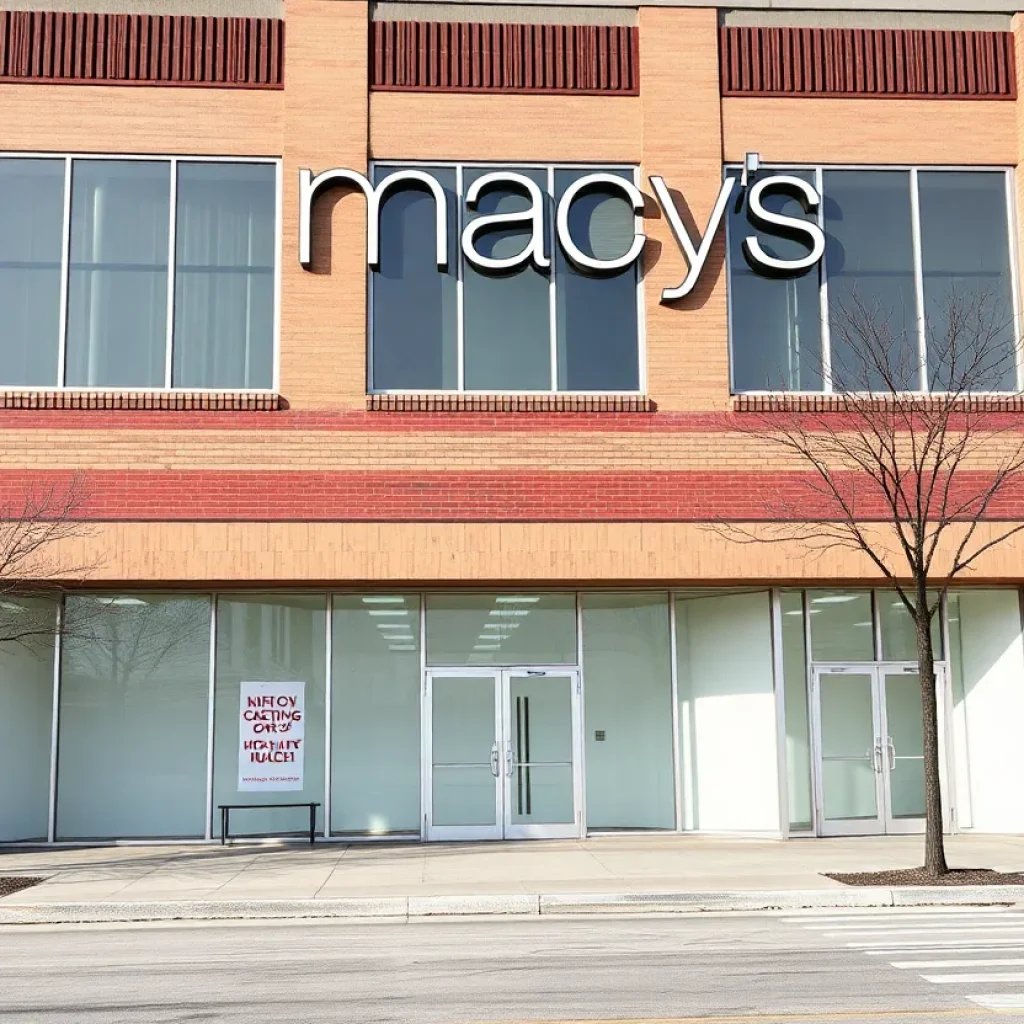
x=514 y=495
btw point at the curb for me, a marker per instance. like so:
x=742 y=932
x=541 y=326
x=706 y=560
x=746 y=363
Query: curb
x=405 y=908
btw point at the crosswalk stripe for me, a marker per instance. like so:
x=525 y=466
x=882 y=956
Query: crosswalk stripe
x=1000 y=928
x=910 y=965
x=1007 y=940
x=999 y=1002
x=1004 y=920
x=917 y=947
x=972 y=979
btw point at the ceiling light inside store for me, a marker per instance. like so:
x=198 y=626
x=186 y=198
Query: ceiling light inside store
x=401 y=647
x=506 y=611
x=486 y=647
x=398 y=636
x=835 y=599
x=796 y=612
x=517 y=600
x=121 y=601
x=375 y=599
x=494 y=636
x=392 y=625
x=502 y=625
x=377 y=611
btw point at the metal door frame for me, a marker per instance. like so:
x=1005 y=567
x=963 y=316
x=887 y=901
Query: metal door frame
x=503 y=757
x=563 y=830
x=846 y=826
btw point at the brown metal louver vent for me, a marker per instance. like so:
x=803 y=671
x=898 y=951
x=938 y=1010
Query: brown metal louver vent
x=866 y=62
x=464 y=57
x=141 y=49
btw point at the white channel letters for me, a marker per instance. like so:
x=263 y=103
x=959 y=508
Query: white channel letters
x=694 y=250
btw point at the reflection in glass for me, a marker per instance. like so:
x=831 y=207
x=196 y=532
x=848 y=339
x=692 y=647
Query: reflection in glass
x=501 y=629
x=31 y=230
x=847 y=746
x=507 y=316
x=117 y=301
x=965 y=259
x=134 y=699
x=224 y=276
x=269 y=638
x=628 y=710
x=904 y=721
x=375 y=714
x=899 y=634
x=463 y=735
x=26 y=714
x=869 y=255
x=415 y=333
x=776 y=324
x=597 y=313
x=841 y=625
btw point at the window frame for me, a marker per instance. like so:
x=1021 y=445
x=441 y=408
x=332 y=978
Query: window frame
x=818 y=170
x=173 y=160
x=549 y=167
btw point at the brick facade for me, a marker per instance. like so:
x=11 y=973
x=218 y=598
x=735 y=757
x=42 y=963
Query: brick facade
x=404 y=492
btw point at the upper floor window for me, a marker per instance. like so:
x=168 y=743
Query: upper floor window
x=137 y=273
x=908 y=252
x=527 y=328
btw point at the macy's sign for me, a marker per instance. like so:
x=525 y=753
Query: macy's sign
x=695 y=250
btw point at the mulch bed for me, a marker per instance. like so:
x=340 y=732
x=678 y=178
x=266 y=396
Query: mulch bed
x=918 y=876
x=16 y=883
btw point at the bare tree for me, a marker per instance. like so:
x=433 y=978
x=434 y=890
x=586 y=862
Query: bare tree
x=32 y=573
x=909 y=464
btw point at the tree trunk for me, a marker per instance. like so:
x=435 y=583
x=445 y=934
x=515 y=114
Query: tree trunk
x=934 y=842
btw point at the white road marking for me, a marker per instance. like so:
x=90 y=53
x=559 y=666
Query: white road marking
x=910 y=965
x=1007 y=940
x=910 y=947
x=972 y=979
x=988 y=929
x=1000 y=1002
x=897 y=914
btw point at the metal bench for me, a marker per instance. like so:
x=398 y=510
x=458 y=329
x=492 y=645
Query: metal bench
x=226 y=809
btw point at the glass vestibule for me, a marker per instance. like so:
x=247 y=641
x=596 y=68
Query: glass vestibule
x=502 y=754
x=868 y=749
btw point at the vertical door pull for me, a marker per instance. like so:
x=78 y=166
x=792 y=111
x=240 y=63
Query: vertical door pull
x=891 y=747
x=510 y=760
x=494 y=759
x=877 y=756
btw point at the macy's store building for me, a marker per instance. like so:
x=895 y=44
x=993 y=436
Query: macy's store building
x=401 y=352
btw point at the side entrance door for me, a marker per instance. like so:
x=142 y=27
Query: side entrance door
x=868 y=749
x=501 y=754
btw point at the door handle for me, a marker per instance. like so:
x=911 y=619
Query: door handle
x=876 y=757
x=891 y=747
x=494 y=759
x=510 y=760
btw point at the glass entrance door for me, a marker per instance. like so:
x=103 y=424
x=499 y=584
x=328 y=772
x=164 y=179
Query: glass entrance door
x=869 y=750
x=502 y=754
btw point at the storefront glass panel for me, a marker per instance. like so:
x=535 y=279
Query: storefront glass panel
x=628 y=711
x=501 y=629
x=269 y=638
x=375 y=714
x=134 y=694
x=26 y=714
x=899 y=635
x=798 y=742
x=841 y=625
x=727 y=716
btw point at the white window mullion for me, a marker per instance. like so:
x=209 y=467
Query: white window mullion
x=460 y=320
x=171 y=253
x=826 y=333
x=65 y=273
x=552 y=296
x=915 y=226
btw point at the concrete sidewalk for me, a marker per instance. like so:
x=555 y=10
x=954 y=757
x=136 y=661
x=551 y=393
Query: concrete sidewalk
x=639 y=872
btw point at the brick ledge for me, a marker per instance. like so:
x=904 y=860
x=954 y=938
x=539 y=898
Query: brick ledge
x=219 y=401
x=509 y=403
x=835 y=403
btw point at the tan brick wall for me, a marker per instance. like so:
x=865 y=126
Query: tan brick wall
x=472 y=553
x=687 y=355
x=137 y=119
x=871 y=131
x=323 y=311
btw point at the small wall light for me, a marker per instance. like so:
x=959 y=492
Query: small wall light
x=751 y=163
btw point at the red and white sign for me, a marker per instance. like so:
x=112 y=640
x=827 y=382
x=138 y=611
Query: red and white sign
x=271 y=736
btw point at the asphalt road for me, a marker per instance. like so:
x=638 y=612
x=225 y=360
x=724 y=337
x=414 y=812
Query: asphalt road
x=766 y=968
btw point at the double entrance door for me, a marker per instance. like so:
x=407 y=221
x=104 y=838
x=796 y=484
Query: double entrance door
x=868 y=746
x=502 y=754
